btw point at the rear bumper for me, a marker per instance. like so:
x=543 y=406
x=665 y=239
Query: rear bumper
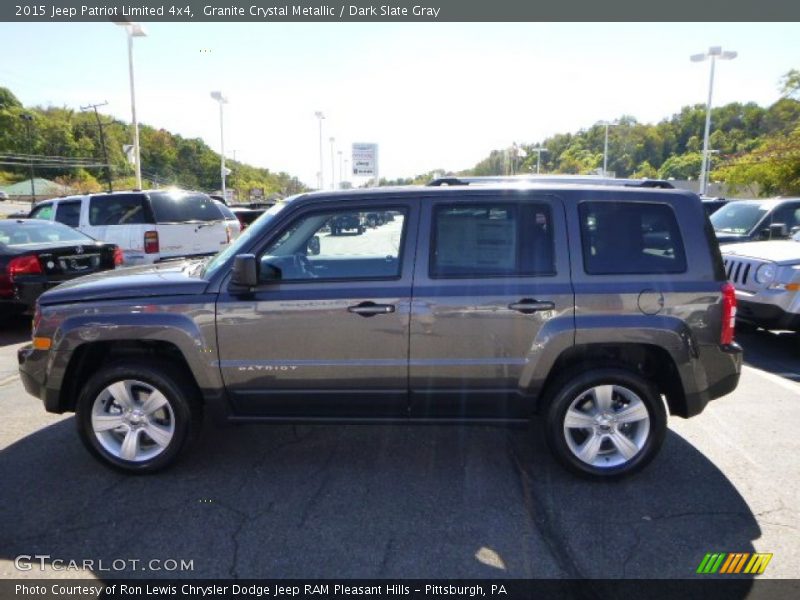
x=769 y=316
x=716 y=373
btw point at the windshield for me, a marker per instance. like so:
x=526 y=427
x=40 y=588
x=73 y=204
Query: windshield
x=179 y=207
x=738 y=217
x=254 y=230
x=34 y=231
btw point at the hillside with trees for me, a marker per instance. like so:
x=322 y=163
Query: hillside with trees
x=752 y=147
x=167 y=158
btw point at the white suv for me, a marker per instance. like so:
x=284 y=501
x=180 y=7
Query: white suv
x=767 y=280
x=148 y=226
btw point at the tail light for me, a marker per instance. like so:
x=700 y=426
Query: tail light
x=728 y=314
x=151 y=242
x=119 y=258
x=24 y=265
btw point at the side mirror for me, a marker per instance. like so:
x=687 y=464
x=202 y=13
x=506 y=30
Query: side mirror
x=245 y=271
x=312 y=249
x=778 y=231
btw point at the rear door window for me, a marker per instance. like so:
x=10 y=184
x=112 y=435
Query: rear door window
x=492 y=240
x=630 y=238
x=118 y=209
x=69 y=213
x=184 y=208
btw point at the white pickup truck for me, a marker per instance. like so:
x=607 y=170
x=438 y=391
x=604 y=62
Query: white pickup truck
x=767 y=280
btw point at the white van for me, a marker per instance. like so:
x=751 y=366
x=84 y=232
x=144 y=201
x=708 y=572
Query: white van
x=148 y=226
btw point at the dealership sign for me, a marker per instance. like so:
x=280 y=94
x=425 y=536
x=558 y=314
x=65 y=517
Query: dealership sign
x=365 y=160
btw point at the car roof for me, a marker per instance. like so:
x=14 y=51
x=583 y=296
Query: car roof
x=482 y=190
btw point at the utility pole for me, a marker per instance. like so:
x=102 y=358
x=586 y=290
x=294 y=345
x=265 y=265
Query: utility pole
x=28 y=123
x=102 y=140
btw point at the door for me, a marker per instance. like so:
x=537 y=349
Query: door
x=325 y=333
x=491 y=292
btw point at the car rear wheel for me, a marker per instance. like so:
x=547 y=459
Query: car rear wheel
x=136 y=417
x=605 y=423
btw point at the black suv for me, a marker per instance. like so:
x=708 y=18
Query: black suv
x=600 y=308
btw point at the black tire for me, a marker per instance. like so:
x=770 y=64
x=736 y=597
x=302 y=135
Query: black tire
x=180 y=393
x=572 y=387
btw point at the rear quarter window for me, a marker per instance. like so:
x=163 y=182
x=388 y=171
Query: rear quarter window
x=118 y=209
x=183 y=208
x=630 y=238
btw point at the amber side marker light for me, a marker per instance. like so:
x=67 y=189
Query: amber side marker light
x=42 y=343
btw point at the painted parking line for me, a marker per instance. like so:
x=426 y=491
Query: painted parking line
x=780 y=379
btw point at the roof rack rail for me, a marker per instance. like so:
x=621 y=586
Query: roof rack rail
x=439 y=181
x=652 y=183
x=578 y=180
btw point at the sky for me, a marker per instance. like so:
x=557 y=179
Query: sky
x=432 y=95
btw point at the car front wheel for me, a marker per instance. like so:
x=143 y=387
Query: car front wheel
x=136 y=417
x=605 y=423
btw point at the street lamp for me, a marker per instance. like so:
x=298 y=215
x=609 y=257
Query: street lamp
x=133 y=30
x=538 y=151
x=28 y=123
x=714 y=53
x=333 y=172
x=222 y=100
x=607 y=124
x=708 y=170
x=320 y=178
x=340 y=168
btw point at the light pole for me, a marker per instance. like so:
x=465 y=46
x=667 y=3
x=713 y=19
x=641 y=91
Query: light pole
x=708 y=170
x=133 y=30
x=28 y=123
x=538 y=151
x=607 y=124
x=320 y=177
x=333 y=170
x=714 y=53
x=222 y=100
x=340 y=168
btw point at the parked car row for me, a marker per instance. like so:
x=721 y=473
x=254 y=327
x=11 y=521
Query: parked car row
x=142 y=227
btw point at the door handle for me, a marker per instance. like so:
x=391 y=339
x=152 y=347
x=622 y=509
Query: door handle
x=527 y=306
x=370 y=309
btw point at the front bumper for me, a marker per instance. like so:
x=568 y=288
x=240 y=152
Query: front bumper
x=769 y=316
x=33 y=374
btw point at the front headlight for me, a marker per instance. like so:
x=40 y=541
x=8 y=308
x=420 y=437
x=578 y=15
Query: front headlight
x=766 y=273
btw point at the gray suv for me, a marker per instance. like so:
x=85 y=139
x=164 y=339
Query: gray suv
x=599 y=307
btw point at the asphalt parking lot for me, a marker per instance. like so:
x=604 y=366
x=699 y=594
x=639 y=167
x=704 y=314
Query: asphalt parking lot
x=397 y=501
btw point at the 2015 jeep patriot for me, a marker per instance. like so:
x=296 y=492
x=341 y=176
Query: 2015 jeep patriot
x=599 y=307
